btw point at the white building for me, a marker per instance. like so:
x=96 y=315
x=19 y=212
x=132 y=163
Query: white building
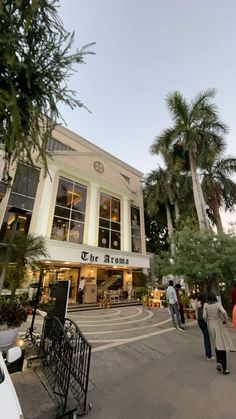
x=90 y=210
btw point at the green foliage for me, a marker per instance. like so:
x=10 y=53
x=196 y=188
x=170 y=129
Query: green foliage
x=25 y=254
x=200 y=258
x=12 y=315
x=48 y=305
x=184 y=299
x=163 y=264
x=203 y=256
x=195 y=138
x=218 y=187
x=139 y=279
x=36 y=63
x=155 y=228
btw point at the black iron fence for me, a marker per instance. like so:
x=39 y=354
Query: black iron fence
x=56 y=352
x=80 y=365
x=66 y=358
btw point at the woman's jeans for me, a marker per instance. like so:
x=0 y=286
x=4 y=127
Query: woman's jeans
x=207 y=343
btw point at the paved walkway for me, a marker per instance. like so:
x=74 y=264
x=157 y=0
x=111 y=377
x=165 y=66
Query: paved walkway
x=143 y=368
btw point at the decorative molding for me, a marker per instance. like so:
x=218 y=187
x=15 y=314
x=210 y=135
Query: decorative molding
x=98 y=166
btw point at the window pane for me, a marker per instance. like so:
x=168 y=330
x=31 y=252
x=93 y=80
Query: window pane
x=115 y=226
x=78 y=200
x=115 y=210
x=135 y=217
x=103 y=239
x=79 y=216
x=23 y=223
x=59 y=229
x=64 y=193
x=115 y=240
x=136 y=232
x=71 y=197
x=20 y=201
x=76 y=232
x=62 y=212
x=22 y=196
x=104 y=223
x=109 y=220
x=26 y=180
x=136 y=244
x=105 y=206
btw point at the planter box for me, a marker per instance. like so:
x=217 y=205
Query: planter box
x=8 y=337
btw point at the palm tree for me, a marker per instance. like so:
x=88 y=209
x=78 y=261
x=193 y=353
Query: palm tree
x=197 y=135
x=157 y=194
x=27 y=251
x=219 y=189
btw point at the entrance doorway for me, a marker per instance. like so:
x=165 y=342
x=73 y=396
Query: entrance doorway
x=59 y=273
x=110 y=280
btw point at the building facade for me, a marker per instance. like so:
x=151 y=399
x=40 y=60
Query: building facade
x=89 y=208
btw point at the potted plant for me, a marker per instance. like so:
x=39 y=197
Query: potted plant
x=26 y=251
x=48 y=305
x=12 y=315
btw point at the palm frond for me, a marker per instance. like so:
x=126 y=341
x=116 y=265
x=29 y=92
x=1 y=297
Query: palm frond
x=178 y=107
x=226 y=165
x=163 y=141
x=200 y=104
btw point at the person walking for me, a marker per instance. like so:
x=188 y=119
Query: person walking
x=215 y=316
x=203 y=326
x=172 y=300
x=179 y=293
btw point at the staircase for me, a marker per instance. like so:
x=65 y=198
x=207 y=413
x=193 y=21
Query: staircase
x=73 y=308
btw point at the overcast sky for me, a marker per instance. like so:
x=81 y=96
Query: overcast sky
x=145 y=49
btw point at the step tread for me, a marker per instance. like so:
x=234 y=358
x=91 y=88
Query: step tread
x=96 y=306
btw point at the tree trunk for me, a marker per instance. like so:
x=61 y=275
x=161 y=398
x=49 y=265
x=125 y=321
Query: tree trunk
x=213 y=287
x=217 y=218
x=170 y=229
x=177 y=213
x=216 y=209
x=198 y=196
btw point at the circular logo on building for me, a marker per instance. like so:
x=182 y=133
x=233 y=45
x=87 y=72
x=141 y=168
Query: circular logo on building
x=98 y=166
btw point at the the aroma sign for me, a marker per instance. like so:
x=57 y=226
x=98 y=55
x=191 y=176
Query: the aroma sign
x=90 y=257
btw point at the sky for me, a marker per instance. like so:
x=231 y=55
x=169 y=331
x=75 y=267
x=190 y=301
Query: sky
x=144 y=50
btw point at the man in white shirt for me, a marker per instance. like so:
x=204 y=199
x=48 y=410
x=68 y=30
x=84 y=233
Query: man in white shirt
x=172 y=300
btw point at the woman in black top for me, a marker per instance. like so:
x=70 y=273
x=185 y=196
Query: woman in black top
x=203 y=326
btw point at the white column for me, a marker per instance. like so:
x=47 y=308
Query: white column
x=92 y=218
x=125 y=223
x=41 y=223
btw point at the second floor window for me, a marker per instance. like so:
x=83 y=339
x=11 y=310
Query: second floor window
x=135 y=230
x=69 y=214
x=109 y=222
x=22 y=197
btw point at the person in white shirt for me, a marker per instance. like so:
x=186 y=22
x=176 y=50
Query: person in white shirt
x=172 y=300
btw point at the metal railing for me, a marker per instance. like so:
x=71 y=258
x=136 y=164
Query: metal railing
x=66 y=362
x=57 y=352
x=80 y=365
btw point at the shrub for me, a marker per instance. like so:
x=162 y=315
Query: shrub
x=12 y=315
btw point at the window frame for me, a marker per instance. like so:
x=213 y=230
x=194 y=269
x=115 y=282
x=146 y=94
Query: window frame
x=71 y=218
x=114 y=203
x=135 y=228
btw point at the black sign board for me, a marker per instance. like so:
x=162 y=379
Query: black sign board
x=60 y=292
